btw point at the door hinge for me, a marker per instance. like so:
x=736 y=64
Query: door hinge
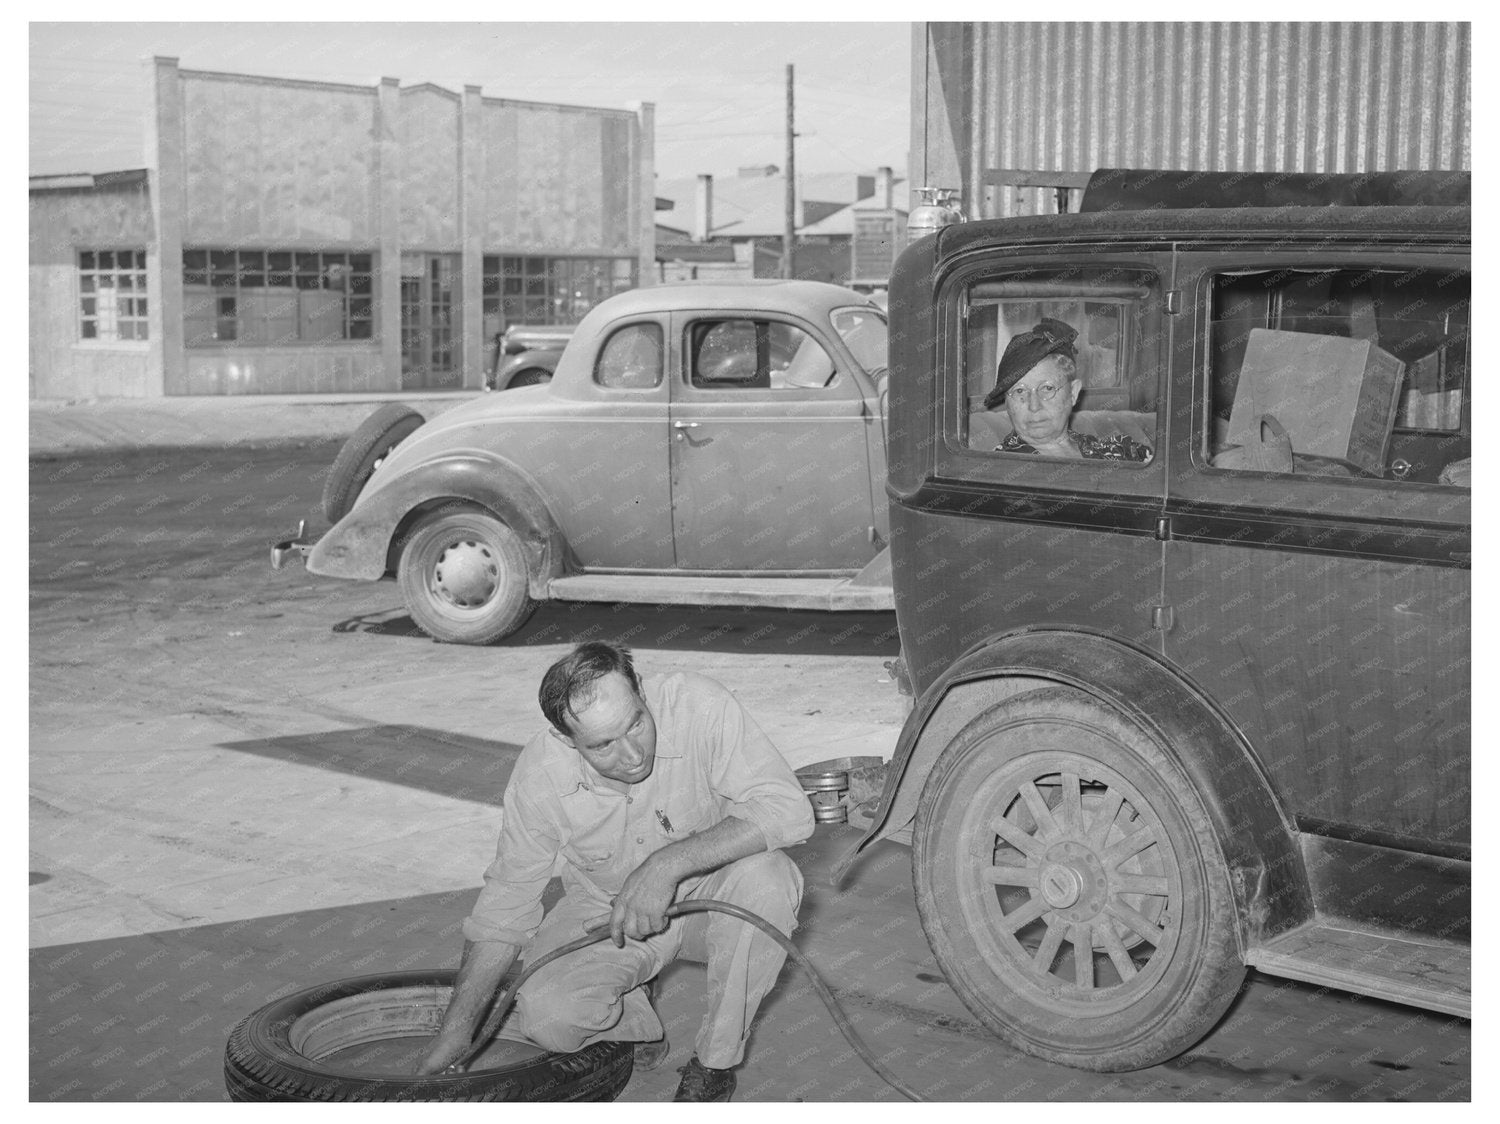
x=1162 y=618
x=1174 y=301
x=1164 y=528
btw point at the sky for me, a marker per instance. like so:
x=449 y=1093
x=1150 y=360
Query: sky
x=719 y=88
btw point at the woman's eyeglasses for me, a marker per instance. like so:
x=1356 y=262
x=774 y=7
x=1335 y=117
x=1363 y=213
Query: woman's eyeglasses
x=1044 y=393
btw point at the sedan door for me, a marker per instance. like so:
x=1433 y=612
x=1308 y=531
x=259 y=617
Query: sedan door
x=769 y=450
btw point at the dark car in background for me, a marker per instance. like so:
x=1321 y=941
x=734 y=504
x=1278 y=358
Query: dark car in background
x=526 y=355
x=1208 y=710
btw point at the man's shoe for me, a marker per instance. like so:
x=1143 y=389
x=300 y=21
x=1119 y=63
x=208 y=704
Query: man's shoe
x=699 y=1083
x=649 y=1055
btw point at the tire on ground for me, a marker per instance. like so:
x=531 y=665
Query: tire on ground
x=463 y=576
x=267 y=1055
x=377 y=435
x=1053 y=824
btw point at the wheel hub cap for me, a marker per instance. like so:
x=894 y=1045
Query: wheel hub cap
x=1072 y=881
x=466 y=574
x=1060 y=885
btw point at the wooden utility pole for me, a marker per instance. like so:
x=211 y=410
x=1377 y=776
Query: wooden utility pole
x=790 y=232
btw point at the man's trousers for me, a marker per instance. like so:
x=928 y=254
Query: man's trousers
x=595 y=994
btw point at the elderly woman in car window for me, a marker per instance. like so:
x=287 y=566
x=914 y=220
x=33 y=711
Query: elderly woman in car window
x=1037 y=379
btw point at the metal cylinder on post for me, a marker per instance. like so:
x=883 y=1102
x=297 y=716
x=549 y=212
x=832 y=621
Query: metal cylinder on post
x=938 y=208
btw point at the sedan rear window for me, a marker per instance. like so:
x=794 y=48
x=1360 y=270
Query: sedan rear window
x=1341 y=372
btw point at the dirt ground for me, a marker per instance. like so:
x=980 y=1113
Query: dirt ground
x=243 y=783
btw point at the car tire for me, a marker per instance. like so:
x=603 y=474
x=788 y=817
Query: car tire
x=531 y=376
x=273 y=1054
x=1014 y=875
x=463 y=576
x=367 y=446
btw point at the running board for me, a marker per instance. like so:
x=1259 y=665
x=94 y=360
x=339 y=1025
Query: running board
x=1430 y=974
x=843 y=594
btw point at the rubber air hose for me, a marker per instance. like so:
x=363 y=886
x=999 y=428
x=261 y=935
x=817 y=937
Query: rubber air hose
x=699 y=905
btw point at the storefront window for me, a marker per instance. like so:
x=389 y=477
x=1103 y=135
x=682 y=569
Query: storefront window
x=112 y=295
x=549 y=290
x=276 y=297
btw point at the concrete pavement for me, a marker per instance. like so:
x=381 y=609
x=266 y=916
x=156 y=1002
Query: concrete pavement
x=145 y=1017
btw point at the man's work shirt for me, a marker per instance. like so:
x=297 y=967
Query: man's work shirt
x=560 y=817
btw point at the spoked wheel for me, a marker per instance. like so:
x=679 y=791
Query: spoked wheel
x=1070 y=885
x=464 y=579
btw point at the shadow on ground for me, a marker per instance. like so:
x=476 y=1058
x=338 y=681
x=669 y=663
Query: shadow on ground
x=438 y=761
x=693 y=628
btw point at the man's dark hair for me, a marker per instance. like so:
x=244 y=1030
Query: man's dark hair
x=571 y=680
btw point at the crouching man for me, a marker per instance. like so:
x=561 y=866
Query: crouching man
x=642 y=793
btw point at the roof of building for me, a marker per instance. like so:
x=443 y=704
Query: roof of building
x=694 y=251
x=755 y=206
x=842 y=220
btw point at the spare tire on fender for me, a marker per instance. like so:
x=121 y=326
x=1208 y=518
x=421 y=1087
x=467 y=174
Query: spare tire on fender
x=281 y=1052
x=367 y=446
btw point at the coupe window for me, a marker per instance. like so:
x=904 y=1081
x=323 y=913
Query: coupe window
x=1341 y=372
x=864 y=334
x=631 y=359
x=757 y=354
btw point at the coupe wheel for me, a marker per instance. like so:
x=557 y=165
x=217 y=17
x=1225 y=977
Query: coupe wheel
x=1070 y=886
x=532 y=376
x=463 y=577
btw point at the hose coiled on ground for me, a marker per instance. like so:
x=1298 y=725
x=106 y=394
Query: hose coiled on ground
x=704 y=905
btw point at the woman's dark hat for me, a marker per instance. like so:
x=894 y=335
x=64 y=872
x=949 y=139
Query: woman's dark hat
x=1025 y=351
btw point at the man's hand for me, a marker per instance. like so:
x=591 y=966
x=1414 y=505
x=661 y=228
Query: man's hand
x=479 y=976
x=445 y=1049
x=641 y=905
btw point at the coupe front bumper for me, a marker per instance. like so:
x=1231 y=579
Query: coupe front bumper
x=295 y=547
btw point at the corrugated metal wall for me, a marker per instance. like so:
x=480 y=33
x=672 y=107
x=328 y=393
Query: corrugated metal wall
x=1315 y=97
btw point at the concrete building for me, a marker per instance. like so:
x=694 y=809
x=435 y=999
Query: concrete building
x=290 y=236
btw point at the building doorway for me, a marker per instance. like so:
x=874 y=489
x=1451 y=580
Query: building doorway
x=430 y=319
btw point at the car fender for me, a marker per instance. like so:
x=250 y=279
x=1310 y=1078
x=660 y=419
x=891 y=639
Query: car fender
x=1255 y=833
x=363 y=544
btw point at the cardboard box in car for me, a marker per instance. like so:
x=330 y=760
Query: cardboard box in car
x=1335 y=397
